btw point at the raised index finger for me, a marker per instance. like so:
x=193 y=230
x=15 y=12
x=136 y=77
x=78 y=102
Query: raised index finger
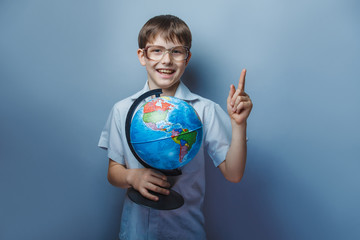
x=241 y=85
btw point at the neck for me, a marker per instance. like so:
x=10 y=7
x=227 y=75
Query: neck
x=170 y=91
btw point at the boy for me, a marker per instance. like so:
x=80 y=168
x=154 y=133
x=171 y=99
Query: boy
x=164 y=49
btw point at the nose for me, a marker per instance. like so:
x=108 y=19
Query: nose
x=166 y=59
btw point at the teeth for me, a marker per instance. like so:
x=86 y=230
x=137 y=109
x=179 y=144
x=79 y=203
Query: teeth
x=166 y=71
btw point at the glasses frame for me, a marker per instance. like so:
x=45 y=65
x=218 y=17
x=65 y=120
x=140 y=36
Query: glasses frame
x=166 y=51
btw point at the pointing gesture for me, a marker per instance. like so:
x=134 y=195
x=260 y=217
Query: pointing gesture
x=239 y=104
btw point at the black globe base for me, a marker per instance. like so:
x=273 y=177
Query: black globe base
x=166 y=202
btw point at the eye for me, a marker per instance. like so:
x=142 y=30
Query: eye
x=156 y=50
x=178 y=51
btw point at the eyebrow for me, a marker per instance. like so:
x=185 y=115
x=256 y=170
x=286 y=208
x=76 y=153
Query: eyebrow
x=163 y=46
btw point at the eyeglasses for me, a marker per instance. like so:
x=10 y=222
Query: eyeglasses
x=156 y=53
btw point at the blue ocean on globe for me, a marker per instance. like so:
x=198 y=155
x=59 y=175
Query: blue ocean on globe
x=166 y=133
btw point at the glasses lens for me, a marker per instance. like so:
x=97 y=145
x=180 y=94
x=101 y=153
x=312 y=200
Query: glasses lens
x=179 y=53
x=157 y=52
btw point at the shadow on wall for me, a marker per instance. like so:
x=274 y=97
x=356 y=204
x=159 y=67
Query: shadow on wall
x=190 y=78
x=269 y=203
x=201 y=78
x=242 y=210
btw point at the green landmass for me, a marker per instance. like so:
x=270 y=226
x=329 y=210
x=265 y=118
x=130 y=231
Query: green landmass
x=154 y=117
x=188 y=137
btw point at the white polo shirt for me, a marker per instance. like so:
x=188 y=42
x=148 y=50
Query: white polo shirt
x=186 y=222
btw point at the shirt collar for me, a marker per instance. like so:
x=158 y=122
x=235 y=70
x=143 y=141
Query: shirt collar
x=182 y=92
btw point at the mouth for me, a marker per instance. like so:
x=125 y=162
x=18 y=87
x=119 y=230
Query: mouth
x=165 y=71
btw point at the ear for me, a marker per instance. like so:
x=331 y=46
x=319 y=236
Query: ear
x=188 y=59
x=141 y=56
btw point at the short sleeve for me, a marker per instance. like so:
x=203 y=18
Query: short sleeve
x=217 y=135
x=110 y=138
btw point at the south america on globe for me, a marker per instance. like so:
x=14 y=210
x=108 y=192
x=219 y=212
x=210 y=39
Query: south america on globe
x=166 y=133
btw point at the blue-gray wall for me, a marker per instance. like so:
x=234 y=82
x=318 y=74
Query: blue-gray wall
x=63 y=64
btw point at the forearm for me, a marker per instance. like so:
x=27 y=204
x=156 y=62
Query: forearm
x=118 y=175
x=234 y=164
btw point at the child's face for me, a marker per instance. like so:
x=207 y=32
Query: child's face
x=165 y=73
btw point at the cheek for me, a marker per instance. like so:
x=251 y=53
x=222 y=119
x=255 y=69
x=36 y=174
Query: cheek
x=150 y=67
x=181 y=68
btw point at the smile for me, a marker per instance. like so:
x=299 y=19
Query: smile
x=165 y=71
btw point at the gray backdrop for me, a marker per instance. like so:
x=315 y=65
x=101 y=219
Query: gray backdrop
x=63 y=64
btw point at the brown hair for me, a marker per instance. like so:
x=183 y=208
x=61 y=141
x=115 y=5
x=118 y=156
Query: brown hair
x=170 y=27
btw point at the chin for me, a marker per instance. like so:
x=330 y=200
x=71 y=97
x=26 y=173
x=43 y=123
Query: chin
x=165 y=84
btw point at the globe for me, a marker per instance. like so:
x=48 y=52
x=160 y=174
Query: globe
x=166 y=133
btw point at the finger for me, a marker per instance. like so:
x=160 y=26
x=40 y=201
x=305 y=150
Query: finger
x=158 y=175
x=238 y=97
x=236 y=104
x=159 y=182
x=240 y=107
x=243 y=106
x=157 y=189
x=241 y=99
x=148 y=195
x=244 y=98
x=234 y=97
x=241 y=85
x=238 y=100
x=231 y=93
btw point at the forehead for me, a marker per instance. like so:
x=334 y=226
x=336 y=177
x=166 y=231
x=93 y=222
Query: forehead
x=163 y=40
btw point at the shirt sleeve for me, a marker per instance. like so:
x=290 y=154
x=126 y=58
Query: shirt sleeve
x=110 y=138
x=217 y=136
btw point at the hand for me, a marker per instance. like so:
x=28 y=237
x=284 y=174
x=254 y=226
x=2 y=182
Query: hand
x=145 y=179
x=239 y=104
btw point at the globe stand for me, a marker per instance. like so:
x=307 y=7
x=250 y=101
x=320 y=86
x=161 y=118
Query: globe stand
x=166 y=202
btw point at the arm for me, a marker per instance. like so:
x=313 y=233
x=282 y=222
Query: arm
x=239 y=106
x=142 y=179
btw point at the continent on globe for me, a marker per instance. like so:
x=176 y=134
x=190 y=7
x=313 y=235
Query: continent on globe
x=185 y=139
x=155 y=114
